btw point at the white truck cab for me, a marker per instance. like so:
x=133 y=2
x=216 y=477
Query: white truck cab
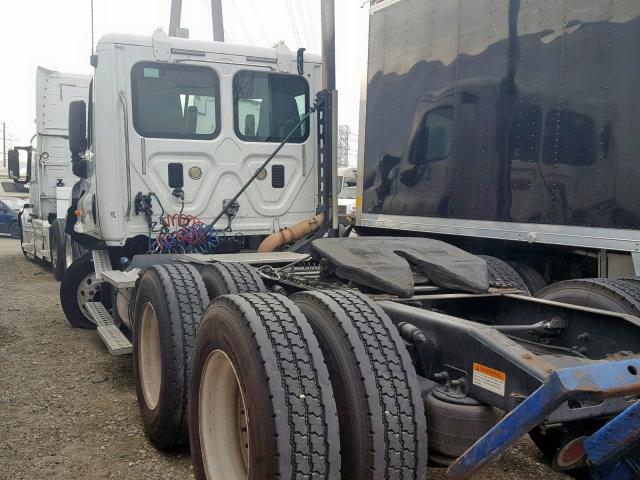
x=49 y=173
x=183 y=124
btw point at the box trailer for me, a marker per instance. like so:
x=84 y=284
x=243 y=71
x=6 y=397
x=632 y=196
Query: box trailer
x=508 y=128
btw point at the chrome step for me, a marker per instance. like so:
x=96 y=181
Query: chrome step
x=110 y=334
x=101 y=262
x=120 y=279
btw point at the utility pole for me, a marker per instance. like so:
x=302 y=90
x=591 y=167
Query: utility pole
x=4 y=145
x=218 y=21
x=344 y=136
x=174 y=21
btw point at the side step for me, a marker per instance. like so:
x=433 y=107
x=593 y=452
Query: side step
x=120 y=279
x=110 y=334
x=101 y=262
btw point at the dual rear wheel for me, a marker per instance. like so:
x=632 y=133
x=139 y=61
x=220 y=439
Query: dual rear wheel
x=319 y=384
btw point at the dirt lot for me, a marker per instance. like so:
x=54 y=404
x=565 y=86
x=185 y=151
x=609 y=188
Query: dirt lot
x=68 y=409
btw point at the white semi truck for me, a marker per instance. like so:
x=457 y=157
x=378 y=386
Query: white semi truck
x=316 y=356
x=49 y=174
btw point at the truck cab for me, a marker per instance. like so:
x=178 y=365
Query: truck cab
x=185 y=124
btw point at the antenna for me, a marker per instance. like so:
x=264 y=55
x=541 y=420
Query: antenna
x=92 y=49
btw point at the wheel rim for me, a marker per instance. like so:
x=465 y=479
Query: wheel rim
x=88 y=291
x=68 y=252
x=149 y=358
x=224 y=420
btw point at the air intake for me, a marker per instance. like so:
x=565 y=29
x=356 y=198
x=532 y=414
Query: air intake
x=277 y=176
x=176 y=175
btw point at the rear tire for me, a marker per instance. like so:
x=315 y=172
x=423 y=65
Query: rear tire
x=383 y=429
x=532 y=278
x=613 y=295
x=78 y=286
x=57 y=249
x=503 y=275
x=256 y=358
x=169 y=302
x=231 y=278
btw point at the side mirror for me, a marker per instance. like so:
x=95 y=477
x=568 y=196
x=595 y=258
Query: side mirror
x=13 y=159
x=78 y=127
x=78 y=137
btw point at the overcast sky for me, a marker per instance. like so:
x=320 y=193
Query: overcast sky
x=57 y=35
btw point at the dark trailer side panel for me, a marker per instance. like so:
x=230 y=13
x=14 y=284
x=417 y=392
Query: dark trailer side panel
x=507 y=111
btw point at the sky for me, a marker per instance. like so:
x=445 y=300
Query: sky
x=56 y=34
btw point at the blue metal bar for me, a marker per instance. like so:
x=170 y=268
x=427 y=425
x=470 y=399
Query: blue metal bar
x=616 y=438
x=593 y=382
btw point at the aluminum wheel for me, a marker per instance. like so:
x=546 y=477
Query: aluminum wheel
x=224 y=420
x=149 y=357
x=88 y=291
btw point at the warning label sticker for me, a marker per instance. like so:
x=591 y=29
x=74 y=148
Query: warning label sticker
x=489 y=379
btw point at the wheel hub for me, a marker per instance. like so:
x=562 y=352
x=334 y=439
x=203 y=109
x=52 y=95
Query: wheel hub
x=224 y=420
x=88 y=291
x=149 y=357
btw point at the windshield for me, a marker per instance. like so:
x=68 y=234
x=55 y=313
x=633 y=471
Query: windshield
x=348 y=193
x=13 y=203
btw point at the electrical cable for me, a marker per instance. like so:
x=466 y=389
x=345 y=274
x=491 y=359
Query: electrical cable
x=305 y=26
x=242 y=22
x=293 y=23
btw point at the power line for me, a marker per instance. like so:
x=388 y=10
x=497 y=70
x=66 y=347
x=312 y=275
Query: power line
x=293 y=23
x=305 y=27
x=260 y=24
x=242 y=23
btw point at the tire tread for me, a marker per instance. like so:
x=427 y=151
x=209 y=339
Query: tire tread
x=399 y=435
x=278 y=326
x=186 y=299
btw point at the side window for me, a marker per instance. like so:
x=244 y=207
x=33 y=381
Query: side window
x=434 y=137
x=175 y=101
x=569 y=139
x=268 y=105
x=526 y=127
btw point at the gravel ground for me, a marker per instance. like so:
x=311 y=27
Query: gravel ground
x=68 y=409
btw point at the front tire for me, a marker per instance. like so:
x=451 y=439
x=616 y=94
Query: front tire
x=261 y=405
x=57 y=246
x=169 y=302
x=79 y=286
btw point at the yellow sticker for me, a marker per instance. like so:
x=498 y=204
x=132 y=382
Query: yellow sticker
x=489 y=378
x=359 y=201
